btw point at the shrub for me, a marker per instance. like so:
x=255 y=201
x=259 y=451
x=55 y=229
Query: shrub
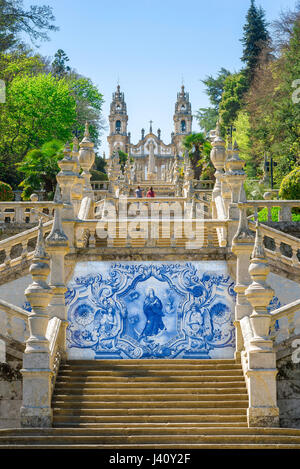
x=6 y=192
x=98 y=175
x=290 y=186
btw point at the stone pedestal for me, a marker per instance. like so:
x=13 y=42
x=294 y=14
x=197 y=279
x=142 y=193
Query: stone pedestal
x=261 y=374
x=36 y=409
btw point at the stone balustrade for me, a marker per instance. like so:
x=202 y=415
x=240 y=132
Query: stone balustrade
x=280 y=247
x=19 y=248
x=151 y=232
x=13 y=330
x=285 y=208
x=285 y=321
x=153 y=207
x=25 y=212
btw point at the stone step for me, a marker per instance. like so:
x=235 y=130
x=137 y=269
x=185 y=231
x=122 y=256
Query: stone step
x=153 y=367
x=139 y=446
x=149 y=411
x=154 y=439
x=150 y=379
x=62 y=383
x=146 y=404
x=67 y=420
x=152 y=361
x=137 y=392
x=149 y=373
x=149 y=396
x=142 y=425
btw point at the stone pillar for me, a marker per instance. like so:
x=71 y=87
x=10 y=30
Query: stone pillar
x=242 y=246
x=261 y=374
x=36 y=409
x=58 y=246
x=235 y=176
x=226 y=191
x=77 y=189
x=218 y=156
x=66 y=179
x=86 y=161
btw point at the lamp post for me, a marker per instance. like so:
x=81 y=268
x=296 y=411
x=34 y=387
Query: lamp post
x=269 y=167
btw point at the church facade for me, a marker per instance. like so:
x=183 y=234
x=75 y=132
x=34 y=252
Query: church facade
x=153 y=158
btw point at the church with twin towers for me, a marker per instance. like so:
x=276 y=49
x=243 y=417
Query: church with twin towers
x=152 y=157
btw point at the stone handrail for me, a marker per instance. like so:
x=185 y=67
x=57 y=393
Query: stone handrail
x=285 y=212
x=288 y=324
x=179 y=232
x=25 y=212
x=11 y=311
x=15 y=250
x=280 y=246
x=54 y=335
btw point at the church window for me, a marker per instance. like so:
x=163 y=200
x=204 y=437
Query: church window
x=183 y=126
x=118 y=126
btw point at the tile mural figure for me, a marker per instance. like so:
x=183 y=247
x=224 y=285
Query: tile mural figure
x=153 y=311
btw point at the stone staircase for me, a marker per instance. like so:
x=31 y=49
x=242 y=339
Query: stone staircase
x=150 y=404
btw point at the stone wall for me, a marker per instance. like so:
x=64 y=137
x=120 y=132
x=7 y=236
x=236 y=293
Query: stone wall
x=10 y=394
x=288 y=382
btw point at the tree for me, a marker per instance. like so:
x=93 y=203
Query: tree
x=15 y=19
x=89 y=103
x=207 y=117
x=232 y=98
x=255 y=39
x=59 y=67
x=39 y=168
x=215 y=86
x=38 y=109
x=199 y=152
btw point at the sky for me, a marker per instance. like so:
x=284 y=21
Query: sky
x=151 y=47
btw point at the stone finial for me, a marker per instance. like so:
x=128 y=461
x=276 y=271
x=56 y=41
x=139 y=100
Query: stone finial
x=40 y=252
x=38 y=295
x=57 y=195
x=87 y=158
x=86 y=130
x=258 y=250
x=57 y=236
x=243 y=235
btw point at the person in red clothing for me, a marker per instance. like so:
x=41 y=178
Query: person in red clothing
x=150 y=192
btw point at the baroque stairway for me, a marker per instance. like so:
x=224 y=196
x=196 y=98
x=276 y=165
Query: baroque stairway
x=153 y=404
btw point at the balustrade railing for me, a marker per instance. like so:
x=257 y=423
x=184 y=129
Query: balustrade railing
x=285 y=321
x=20 y=248
x=284 y=213
x=151 y=232
x=25 y=212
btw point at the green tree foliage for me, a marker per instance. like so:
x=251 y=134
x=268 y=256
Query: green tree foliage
x=207 y=117
x=215 y=86
x=89 y=103
x=232 y=98
x=59 y=67
x=199 y=152
x=290 y=186
x=39 y=168
x=255 y=39
x=35 y=21
x=6 y=192
x=38 y=109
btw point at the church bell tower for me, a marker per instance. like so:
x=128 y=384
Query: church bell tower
x=182 y=119
x=118 y=137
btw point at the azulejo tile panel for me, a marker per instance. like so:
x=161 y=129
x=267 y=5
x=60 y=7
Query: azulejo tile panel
x=150 y=310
